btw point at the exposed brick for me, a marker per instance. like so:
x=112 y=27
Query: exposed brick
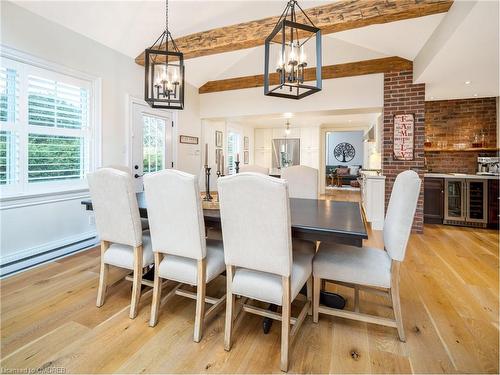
x=459 y=121
x=401 y=96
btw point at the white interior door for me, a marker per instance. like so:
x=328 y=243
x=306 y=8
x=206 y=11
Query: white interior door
x=152 y=144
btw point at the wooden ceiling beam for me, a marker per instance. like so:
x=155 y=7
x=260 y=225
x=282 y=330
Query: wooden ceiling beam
x=330 y=18
x=383 y=65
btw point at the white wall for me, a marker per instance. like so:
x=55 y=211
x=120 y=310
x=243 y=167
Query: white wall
x=341 y=93
x=209 y=127
x=37 y=225
x=355 y=138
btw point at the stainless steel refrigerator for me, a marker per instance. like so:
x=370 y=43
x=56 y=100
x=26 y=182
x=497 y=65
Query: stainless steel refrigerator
x=286 y=152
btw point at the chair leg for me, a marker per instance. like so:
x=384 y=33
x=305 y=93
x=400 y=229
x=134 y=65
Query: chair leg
x=285 y=323
x=200 y=300
x=396 y=302
x=155 y=305
x=316 y=290
x=230 y=300
x=309 y=287
x=103 y=276
x=136 y=286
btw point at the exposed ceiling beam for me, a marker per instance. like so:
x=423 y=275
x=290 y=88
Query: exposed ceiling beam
x=383 y=65
x=330 y=18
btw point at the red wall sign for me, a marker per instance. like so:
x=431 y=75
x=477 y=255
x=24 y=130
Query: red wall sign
x=403 y=137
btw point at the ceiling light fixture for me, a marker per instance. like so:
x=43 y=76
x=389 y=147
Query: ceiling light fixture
x=467 y=82
x=287 y=128
x=289 y=42
x=164 y=72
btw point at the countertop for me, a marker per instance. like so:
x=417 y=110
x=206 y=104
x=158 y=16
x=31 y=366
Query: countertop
x=458 y=175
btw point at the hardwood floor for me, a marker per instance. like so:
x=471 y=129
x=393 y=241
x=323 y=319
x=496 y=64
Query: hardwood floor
x=450 y=295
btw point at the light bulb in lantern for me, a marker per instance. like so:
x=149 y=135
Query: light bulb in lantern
x=170 y=86
x=303 y=57
x=175 y=78
x=279 y=63
x=292 y=59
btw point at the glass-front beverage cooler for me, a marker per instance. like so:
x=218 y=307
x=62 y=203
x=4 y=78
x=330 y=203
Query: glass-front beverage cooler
x=466 y=201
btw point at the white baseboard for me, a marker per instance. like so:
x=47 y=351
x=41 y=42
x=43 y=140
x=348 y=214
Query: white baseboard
x=29 y=258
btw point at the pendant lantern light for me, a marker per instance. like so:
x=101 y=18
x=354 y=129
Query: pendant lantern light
x=164 y=72
x=295 y=47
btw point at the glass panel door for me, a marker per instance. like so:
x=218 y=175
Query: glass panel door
x=476 y=200
x=454 y=200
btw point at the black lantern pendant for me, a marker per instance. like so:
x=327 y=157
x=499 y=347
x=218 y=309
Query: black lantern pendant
x=290 y=43
x=164 y=72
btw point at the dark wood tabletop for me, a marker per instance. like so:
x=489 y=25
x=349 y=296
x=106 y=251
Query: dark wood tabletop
x=312 y=219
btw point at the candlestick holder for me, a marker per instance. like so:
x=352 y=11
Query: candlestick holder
x=208 y=197
x=237 y=166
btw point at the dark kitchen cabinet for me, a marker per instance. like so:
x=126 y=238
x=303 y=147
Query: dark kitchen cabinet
x=493 y=203
x=433 y=200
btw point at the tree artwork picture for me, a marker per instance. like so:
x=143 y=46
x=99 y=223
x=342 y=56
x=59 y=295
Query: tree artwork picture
x=344 y=152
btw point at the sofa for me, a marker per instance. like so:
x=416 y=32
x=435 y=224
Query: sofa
x=342 y=174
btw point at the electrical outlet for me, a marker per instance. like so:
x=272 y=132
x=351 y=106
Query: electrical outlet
x=91 y=219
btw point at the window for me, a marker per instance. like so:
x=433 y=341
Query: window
x=46 y=129
x=154 y=143
x=233 y=148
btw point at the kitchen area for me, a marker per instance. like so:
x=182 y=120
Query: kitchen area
x=461 y=185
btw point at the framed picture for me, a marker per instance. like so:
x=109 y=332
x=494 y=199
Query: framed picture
x=246 y=143
x=218 y=152
x=404 y=137
x=245 y=157
x=188 y=139
x=218 y=138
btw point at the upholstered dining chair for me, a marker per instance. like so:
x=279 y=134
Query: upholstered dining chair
x=118 y=223
x=260 y=264
x=369 y=268
x=302 y=181
x=124 y=168
x=254 y=168
x=181 y=252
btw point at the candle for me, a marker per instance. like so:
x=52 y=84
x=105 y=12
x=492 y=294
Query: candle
x=206 y=154
x=238 y=156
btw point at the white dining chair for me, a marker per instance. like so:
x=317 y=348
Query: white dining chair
x=118 y=223
x=369 y=268
x=181 y=252
x=254 y=168
x=302 y=181
x=124 y=168
x=260 y=265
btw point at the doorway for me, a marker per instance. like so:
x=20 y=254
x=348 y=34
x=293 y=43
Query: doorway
x=151 y=143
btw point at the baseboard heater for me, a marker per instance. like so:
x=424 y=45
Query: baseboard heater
x=26 y=263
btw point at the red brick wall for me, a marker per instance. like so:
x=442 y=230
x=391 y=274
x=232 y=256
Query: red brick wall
x=454 y=162
x=401 y=96
x=458 y=121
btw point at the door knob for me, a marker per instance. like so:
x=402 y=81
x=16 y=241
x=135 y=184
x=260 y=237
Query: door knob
x=136 y=167
x=137 y=175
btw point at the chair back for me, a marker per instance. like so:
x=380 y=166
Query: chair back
x=254 y=168
x=400 y=213
x=256 y=226
x=175 y=213
x=302 y=181
x=122 y=168
x=115 y=206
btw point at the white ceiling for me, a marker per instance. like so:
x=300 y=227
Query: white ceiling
x=334 y=119
x=469 y=54
x=131 y=26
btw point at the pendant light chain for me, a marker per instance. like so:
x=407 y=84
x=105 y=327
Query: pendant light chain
x=166 y=22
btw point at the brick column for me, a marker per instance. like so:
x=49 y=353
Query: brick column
x=401 y=96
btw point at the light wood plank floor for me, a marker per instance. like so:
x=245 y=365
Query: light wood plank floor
x=450 y=295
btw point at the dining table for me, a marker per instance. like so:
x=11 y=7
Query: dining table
x=321 y=220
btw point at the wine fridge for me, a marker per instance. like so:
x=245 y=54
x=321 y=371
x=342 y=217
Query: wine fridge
x=466 y=202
